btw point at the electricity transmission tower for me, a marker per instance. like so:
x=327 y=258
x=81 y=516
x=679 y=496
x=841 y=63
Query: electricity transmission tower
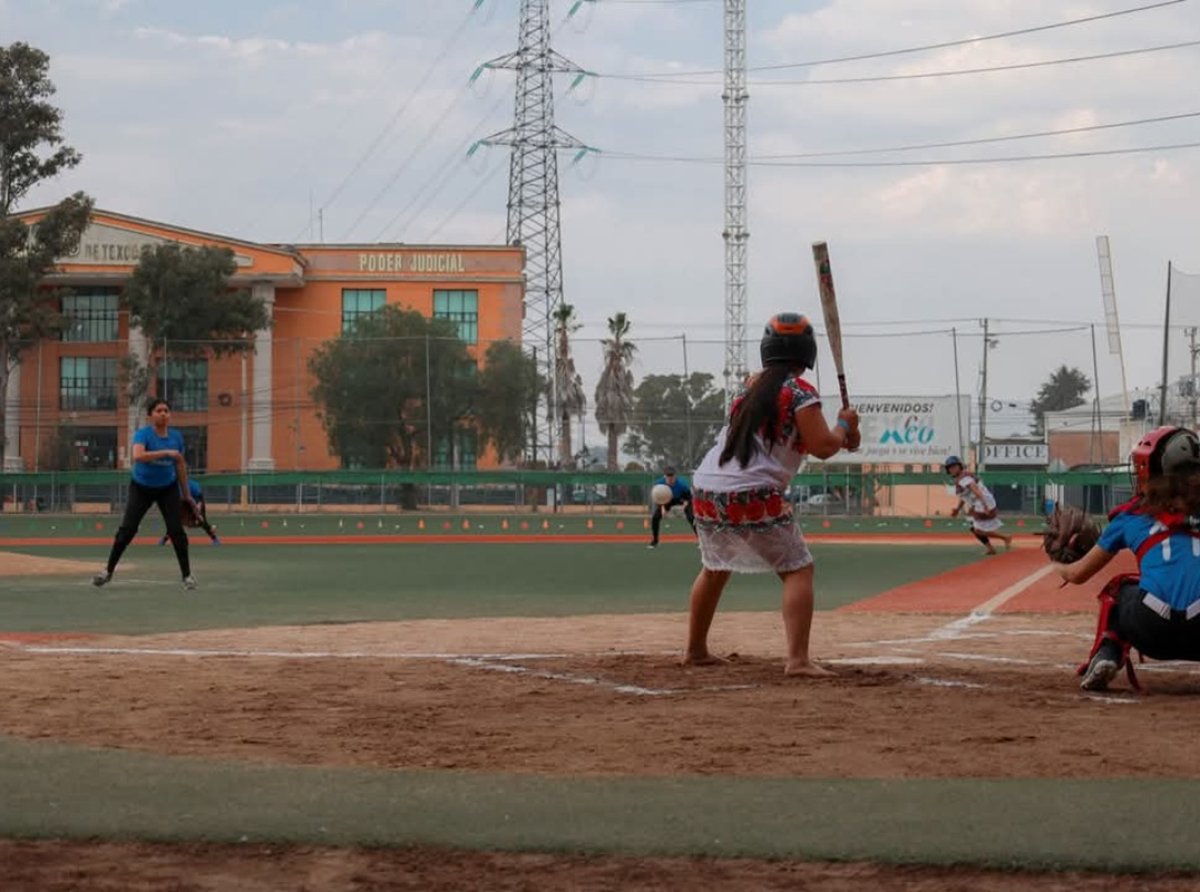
x=533 y=204
x=735 y=232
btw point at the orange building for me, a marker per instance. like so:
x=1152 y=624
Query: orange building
x=252 y=411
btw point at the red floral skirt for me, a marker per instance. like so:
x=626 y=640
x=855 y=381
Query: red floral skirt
x=752 y=531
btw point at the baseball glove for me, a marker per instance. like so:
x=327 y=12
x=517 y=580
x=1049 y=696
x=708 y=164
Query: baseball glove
x=190 y=513
x=1069 y=535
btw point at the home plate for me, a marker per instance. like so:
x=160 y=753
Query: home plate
x=876 y=661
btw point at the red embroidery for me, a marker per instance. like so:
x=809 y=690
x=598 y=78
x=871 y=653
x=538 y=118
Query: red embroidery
x=755 y=510
x=774 y=504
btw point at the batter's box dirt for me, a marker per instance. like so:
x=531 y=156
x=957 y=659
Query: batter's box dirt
x=662 y=675
x=740 y=719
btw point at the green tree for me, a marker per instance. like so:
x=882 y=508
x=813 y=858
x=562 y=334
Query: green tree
x=1064 y=389
x=568 y=384
x=181 y=300
x=614 y=391
x=31 y=152
x=676 y=419
x=509 y=385
x=395 y=385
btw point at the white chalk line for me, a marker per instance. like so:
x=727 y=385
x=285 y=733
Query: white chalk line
x=976 y=636
x=592 y=681
x=496 y=662
x=284 y=654
x=985 y=610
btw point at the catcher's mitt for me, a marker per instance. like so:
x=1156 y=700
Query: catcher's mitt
x=1069 y=535
x=190 y=513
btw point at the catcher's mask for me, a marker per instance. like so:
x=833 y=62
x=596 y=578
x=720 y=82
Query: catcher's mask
x=788 y=339
x=1165 y=451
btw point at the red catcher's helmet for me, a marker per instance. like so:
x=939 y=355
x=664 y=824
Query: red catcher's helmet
x=1163 y=451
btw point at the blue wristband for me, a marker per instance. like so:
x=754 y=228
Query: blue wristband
x=843 y=423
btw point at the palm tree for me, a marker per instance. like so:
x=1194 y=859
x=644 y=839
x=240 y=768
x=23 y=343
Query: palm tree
x=614 y=392
x=567 y=382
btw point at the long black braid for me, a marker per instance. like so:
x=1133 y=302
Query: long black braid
x=757 y=412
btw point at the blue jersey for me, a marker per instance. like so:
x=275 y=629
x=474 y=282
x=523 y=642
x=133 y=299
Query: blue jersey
x=1170 y=570
x=679 y=489
x=195 y=490
x=160 y=472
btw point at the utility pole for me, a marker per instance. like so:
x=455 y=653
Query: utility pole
x=735 y=233
x=981 y=458
x=1192 y=379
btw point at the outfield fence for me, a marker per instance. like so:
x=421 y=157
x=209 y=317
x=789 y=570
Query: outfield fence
x=821 y=490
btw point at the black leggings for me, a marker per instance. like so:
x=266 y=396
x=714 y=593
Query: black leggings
x=659 y=510
x=1159 y=638
x=169 y=504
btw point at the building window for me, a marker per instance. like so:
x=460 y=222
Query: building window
x=90 y=315
x=82 y=448
x=87 y=383
x=195 y=447
x=359 y=302
x=466 y=441
x=184 y=384
x=461 y=308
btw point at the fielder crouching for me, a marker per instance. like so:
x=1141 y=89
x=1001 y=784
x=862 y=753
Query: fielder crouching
x=1157 y=610
x=681 y=494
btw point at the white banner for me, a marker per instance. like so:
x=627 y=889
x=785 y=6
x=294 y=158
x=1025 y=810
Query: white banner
x=1010 y=453
x=911 y=430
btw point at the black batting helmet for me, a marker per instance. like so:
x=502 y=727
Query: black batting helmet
x=789 y=340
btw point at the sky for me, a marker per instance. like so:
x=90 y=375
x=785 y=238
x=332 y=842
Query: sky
x=351 y=121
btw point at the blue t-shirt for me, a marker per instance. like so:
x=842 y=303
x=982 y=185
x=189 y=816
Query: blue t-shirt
x=1170 y=570
x=195 y=490
x=679 y=489
x=160 y=472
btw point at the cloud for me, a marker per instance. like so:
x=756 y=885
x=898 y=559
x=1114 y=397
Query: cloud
x=240 y=124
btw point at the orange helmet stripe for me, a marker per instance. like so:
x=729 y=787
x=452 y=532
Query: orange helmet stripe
x=792 y=326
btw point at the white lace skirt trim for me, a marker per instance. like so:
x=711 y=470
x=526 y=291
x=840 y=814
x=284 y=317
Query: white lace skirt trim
x=778 y=548
x=987 y=526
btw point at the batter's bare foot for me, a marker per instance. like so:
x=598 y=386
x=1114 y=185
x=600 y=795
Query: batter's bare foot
x=807 y=670
x=702 y=659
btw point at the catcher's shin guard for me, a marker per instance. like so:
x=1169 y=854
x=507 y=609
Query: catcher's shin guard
x=1108 y=602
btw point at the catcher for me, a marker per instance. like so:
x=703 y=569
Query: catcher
x=980 y=505
x=197 y=516
x=1156 y=610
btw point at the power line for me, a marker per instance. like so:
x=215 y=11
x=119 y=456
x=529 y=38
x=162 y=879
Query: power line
x=997 y=160
x=375 y=143
x=907 y=50
x=439 y=179
x=483 y=181
x=933 y=162
x=915 y=146
x=416 y=150
x=951 y=72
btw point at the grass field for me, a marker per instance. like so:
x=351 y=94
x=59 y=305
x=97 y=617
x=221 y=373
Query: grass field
x=51 y=789
x=256 y=585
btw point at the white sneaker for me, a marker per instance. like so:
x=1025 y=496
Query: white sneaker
x=190 y=583
x=101 y=578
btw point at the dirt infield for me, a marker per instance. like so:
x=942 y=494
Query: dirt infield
x=68 y=867
x=14 y=564
x=601 y=696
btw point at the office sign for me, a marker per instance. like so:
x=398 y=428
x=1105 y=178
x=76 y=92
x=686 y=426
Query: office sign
x=1017 y=453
